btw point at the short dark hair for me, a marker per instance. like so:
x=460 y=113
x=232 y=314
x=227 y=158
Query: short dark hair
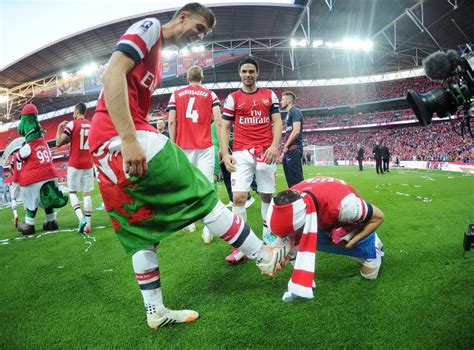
x=194 y=74
x=286 y=197
x=291 y=94
x=81 y=108
x=198 y=9
x=249 y=60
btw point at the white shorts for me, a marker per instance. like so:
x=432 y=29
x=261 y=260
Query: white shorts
x=31 y=194
x=247 y=166
x=15 y=191
x=80 y=180
x=203 y=159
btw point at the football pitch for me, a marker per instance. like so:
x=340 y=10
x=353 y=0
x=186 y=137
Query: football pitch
x=59 y=291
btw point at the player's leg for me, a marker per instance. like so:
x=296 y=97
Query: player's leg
x=50 y=223
x=193 y=157
x=205 y=163
x=367 y=252
x=31 y=200
x=147 y=273
x=265 y=176
x=87 y=185
x=241 y=180
x=232 y=229
x=294 y=173
x=369 y=268
x=14 y=189
x=147 y=209
x=74 y=184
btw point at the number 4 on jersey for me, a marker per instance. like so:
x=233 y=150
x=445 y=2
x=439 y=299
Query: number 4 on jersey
x=190 y=113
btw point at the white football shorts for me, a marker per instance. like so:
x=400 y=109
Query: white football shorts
x=80 y=180
x=248 y=166
x=203 y=159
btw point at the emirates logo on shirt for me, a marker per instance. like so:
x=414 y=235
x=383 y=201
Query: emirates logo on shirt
x=254 y=119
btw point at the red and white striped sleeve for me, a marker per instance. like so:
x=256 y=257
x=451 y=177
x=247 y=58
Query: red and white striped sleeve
x=140 y=38
x=172 y=102
x=215 y=99
x=69 y=127
x=354 y=209
x=229 y=108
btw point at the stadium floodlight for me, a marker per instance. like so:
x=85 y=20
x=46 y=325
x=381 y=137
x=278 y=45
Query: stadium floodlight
x=329 y=44
x=65 y=75
x=169 y=53
x=367 y=45
x=88 y=69
x=293 y=43
x=356 y=44
x=3 y=98
x=317 y=43
x=198 y=48
x=303 y=43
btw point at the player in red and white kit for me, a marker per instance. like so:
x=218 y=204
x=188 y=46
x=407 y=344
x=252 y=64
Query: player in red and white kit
x=257 y=132
x=149 y=187
x=326 y=214
x=80 y=174
x=192 y=109
x=15 y=189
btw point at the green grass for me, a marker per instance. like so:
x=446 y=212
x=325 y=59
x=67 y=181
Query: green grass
x=54 y=294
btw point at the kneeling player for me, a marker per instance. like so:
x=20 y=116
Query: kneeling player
x=327 y=214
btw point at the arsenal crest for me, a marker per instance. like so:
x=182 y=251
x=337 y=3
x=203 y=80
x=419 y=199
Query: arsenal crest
x=266 y=101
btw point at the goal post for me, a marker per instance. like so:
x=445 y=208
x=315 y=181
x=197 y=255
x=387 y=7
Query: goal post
x=319 y=155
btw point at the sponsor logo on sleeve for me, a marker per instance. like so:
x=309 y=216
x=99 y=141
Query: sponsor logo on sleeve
x=146 y=25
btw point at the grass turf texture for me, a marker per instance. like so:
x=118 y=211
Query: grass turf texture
x=54 y=294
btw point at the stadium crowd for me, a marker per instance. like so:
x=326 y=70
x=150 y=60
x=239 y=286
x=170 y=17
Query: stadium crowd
x=438 y=142
x=325 y=96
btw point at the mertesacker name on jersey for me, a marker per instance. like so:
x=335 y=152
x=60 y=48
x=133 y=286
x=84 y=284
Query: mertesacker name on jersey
x=192 y=92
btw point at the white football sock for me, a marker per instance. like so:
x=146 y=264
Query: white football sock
x=76 y=205
x=232 y=229
x=88 y=209
x=147 y=273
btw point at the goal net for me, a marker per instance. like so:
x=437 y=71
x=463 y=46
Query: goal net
x=319 y=155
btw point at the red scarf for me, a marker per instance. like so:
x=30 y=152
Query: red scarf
x=286 y=219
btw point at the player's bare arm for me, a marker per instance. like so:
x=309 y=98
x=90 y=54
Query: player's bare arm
x=227 y=158
x=61 y=137
x=172 y=124
x=374 y=222
x=116 y=98
x=271 y=152
x=217 y=118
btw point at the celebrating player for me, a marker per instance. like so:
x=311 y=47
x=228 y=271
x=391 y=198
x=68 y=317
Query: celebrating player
x=257 y=133
x=80 y=176
x=149 y=187
x=327 y=214
x=191 y=112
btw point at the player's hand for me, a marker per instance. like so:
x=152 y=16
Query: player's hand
x=280 y=159
x=134 y=158
x=270 y=155
x=62 y=125
x=229 y=162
